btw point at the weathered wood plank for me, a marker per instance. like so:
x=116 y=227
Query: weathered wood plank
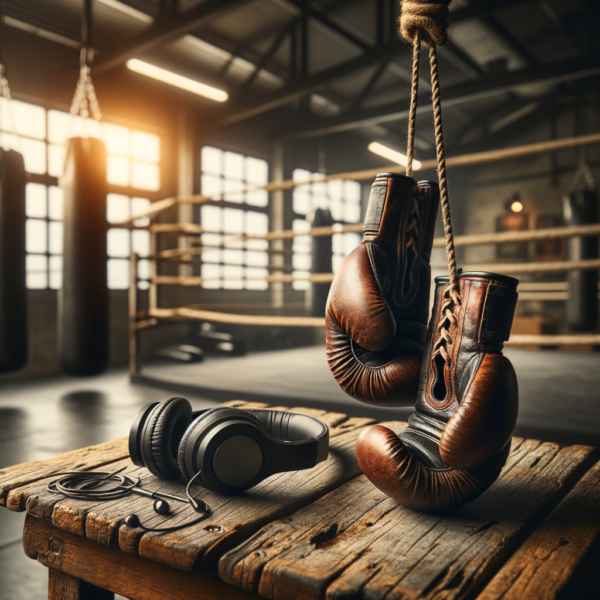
x=543 y=566
x=357 y=543
x=83 y=459
x=64 y=587
x=233 y=519
x=75 y=558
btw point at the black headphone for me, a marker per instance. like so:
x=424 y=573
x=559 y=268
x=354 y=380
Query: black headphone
x=230 y=449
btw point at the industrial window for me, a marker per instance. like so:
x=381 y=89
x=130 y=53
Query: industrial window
x=242 y=264
x=342 y=198
x=133 y=174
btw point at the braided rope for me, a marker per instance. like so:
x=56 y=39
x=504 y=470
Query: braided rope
x=414 y=92
x=429 y=18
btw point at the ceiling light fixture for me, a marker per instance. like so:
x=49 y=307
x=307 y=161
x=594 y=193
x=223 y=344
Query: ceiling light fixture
x=139 y=66
x=392 y=155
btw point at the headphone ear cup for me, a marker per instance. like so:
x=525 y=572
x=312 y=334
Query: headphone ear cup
x=205 y=421
x=167 y=424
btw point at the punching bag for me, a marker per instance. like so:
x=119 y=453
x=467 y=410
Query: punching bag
x=13 y=291
x=322 y=252
x=83 y=299
x=581 y=208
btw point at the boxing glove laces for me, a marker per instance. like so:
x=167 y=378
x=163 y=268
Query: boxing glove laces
x=376 y=317
x=458 y=438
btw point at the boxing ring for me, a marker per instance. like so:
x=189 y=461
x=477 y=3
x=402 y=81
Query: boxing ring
x=154 y=315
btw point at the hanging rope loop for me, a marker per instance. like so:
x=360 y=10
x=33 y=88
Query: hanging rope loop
x=427 y=20
x=430 y=17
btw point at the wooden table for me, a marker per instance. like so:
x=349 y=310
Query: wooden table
x=325 y=533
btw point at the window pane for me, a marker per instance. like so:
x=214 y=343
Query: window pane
x=256 y=279
x=258 y=198
x=118 y=242
x=211 y=185
x=118 y=274
x=36 y=236
x=56 y=266
x=145 y=176
x=257 y=223
x=257 y=259
x=233 y=257
x=35 y=200
x=143 y=269
x=211 y=239
x=301 y=202
x=232 y=277
x=116 y=139
x=30 y=120
x=211 y=218
x=257 y=245
x=352 y=192
x=55 y=203
x=211 y=255
x=301 y=284
x=233 y=190
x=56 y=237
x=145 y=146
x=34 y=153
x=118 y=170
x=138 y=206
x=302 y=261
x=257 y=171
x=56 y=160
x=140 y=242
x=37 y=274
x=58 y=126
x=211 y=160
x=351 y=213
x=210 y=276
x=234 y=166
x=117 y=208
x=233 y=220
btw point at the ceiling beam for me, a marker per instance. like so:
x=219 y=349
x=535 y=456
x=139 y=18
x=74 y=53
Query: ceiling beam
x=327 y=22
x=488 y=85
x=166 y=29
x=482 y=9
x=305 y=85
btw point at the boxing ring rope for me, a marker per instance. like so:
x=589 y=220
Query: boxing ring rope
x=464 y=160
x=156 y=315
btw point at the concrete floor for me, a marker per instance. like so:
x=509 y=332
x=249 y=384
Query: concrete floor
x=560 y=401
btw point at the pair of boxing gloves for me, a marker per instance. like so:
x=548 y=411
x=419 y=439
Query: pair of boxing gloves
x=382 y=350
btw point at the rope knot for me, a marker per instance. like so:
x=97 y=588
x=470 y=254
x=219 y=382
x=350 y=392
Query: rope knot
x=428 y=16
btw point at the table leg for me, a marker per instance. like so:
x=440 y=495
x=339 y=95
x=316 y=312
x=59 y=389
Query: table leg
x=81 y=569
x=64 y=587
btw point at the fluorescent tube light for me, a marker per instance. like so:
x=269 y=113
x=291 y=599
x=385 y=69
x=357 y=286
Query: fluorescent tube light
x=392 y=155
x=139 y=66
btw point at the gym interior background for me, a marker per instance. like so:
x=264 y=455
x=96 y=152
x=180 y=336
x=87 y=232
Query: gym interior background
x=310 y=87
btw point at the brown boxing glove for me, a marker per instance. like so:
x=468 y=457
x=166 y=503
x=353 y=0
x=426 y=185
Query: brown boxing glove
x=458 y=438
x=376 y=318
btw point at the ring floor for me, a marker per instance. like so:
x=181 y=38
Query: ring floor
x=40 y=418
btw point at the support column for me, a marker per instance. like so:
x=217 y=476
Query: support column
x=185 y=177
x=276 y=223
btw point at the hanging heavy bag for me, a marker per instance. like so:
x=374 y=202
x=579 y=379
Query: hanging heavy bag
x=321 y=251
x=13 y=291
x=581 y=208
x=83 y=299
